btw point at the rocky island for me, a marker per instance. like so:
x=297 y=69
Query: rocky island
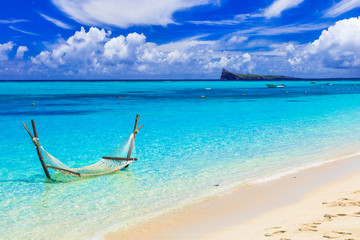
x=227 y=75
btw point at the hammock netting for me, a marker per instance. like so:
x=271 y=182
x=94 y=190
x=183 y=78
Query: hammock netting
x=114 y=161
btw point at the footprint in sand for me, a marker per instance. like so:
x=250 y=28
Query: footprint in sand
x=272 y=228
x=342 y=233
x=336 y=234
x=357 y=214
x=328 y=217
x=341 y=214
x=344 y=202
x=308 y=227
x=274 y=233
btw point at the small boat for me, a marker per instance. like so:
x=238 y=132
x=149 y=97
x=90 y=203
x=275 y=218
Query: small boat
x=208 y=89
x=329 y=84
x=313 y=82
x=275 y=86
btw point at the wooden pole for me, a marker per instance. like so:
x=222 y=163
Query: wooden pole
x=38 y=150
x=133 y=139
x=136 y=121
x=28 y=131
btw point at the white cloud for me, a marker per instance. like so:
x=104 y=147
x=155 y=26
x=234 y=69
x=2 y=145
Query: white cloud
x=81 y=49
x=235 y=21
x=22 y=31
x=240 y=63
x=124 y=49
x=5 y=50
x=185 y=44
x=96 y=53
x=235 y=39
x=124 y=13
x=231 y=41
x=285 y=29
x=246 y=57
x=10 y=21
x=175 y=56
x=278 y=6
x=342 y=7
x=338 y=47
x=274 y=10
x=20 y=52
x=56 y=22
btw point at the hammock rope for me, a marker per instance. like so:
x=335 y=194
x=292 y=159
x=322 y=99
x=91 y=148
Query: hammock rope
x=119 y=158
x=104 y=166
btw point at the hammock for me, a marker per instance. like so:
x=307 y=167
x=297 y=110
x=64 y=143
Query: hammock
x=116 y=160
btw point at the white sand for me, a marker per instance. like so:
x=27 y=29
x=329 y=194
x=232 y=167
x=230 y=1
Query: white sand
x=317 y=203
x=330 y=212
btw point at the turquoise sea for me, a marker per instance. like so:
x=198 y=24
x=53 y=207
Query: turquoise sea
x=191 y=147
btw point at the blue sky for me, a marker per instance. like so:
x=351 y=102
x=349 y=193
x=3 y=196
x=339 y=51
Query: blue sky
x=178 y=39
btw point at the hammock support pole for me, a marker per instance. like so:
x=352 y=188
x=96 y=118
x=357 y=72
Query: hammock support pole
x=136 y=131
x=35 y=140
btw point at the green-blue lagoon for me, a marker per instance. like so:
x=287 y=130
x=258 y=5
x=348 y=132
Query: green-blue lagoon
x=200 y=138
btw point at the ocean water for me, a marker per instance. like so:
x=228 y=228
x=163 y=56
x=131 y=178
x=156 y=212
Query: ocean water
x=239 y=133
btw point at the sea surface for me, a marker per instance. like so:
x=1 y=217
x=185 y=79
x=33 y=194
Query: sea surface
x=200 y=138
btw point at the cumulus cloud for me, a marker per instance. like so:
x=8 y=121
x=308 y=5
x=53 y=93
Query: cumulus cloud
x=337 y=47
x=124 y=49
x=278 y=6
x=21 y=51
x=5 y=50
x=342 y=7
x=83 y=48
x=95 y=52
x=120 y=13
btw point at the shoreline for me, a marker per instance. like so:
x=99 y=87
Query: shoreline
x=240 y=205
x=328 y=212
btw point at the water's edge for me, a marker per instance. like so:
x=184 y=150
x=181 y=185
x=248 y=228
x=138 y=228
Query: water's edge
x=308 y=179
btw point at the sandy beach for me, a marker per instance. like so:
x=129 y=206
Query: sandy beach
x=329 y=212
x=317 y=203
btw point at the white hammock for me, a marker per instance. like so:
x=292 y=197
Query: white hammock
x=106 y=165
x=116 y=160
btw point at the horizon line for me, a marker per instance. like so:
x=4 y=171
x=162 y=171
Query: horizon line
x=178 y=80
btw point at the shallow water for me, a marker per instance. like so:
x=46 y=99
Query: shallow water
x=238 y=133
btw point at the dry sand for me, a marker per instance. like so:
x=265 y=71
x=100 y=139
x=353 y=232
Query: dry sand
x=317 y=203
x=331 y=212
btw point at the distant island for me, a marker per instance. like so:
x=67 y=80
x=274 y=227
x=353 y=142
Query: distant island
x=227 y=75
